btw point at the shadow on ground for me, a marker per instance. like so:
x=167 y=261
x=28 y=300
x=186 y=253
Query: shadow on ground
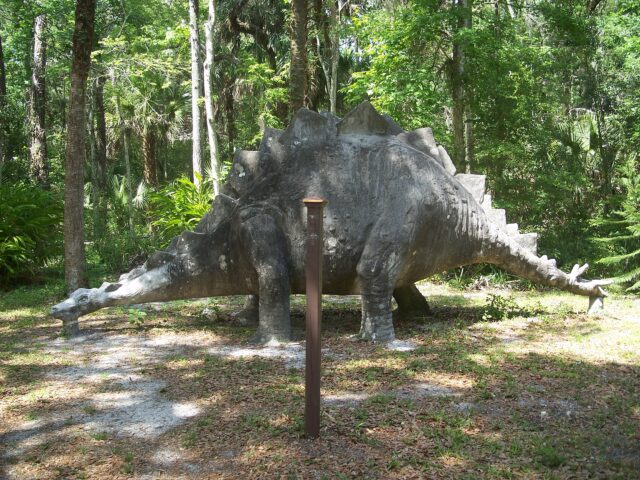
x=185 y=396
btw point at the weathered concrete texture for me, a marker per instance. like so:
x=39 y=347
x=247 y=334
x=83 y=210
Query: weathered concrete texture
x=475 y=184
x=395 y=215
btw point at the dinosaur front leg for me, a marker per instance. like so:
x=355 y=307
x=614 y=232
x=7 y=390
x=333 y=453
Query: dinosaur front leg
x=266 y=246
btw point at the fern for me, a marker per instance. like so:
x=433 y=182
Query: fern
x=625 y=224
x=30 y=228
x=178 y=207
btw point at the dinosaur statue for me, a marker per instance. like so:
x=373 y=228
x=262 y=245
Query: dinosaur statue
x=396 y=213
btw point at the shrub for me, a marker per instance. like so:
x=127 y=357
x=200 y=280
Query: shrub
x=123 y=251
x=30 y=229
x=500 y=308
x=624 y=231
x=178 y=207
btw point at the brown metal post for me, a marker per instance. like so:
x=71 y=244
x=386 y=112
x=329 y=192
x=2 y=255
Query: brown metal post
x=314 y=315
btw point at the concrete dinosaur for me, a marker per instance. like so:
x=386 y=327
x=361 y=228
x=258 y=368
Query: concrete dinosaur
x=396 y=214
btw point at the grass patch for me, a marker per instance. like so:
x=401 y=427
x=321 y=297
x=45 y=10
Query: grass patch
x=522 y=387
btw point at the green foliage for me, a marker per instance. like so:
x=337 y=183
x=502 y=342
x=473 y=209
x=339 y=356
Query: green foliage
x=624 y=231
x=554 y=99
x=124 y=250
x=264 y=89
x=500 y=308
x=120 y=247
x=30 y=227
x=136 y=316
x=548 y=456
x=178 y=207
x=397 y=78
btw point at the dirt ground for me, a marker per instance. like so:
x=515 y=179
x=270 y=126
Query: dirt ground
x=547 y=392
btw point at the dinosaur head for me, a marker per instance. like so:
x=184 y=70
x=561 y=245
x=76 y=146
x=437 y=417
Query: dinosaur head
x=81 y=301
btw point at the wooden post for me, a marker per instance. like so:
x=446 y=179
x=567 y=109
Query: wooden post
x=314 y=316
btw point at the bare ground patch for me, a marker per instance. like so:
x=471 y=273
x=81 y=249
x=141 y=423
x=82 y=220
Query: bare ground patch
x=550 y=393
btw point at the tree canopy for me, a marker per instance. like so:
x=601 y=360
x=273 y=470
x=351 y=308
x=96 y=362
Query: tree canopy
x=542 y=96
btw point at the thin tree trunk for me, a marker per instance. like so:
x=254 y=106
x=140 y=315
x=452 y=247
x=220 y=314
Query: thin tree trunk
x=335 y=56
x=3 y=75
x=165 y=157
x=149 y=156
x=127 y=162
x=208 y=97
x=470 y=143
x=3 y=94
x=37 y=102
x=195 y=92
x=457 y=96
x=298 y=69
x=91 y=128
x=229 y=113
x=457 y=92
x=467 y=5
x=74 y=254
x=100 y=219
x=329 y=63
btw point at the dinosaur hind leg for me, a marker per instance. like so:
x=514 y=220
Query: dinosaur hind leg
x=378 y=270
x=411 y=303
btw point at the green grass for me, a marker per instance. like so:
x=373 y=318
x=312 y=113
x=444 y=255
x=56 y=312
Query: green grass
x=546 y=392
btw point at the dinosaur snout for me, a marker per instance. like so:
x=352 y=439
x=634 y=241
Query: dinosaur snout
x=71 y=308
x=65 y=310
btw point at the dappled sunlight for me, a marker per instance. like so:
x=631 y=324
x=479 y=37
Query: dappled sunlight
x=450 y=381
x=205 y=403
x=600 y=340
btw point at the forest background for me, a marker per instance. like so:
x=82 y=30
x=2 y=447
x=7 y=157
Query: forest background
x=542 y=96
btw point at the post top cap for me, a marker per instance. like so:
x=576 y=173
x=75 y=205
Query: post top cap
x=314 y=201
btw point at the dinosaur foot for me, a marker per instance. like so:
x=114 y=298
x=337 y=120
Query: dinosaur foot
x=596 y=305
x=270 y=339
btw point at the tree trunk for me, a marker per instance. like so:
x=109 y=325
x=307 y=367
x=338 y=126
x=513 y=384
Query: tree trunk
x=298 y=69
x=467 y=5
x=195 y=92
x=165 y=156
x=3 y=76
x=149 y=156
x=101 y=156
x=329 y=63
x=74 y=254
x=457 y=90
x=457 y=96
x=3 y=94
x=91 y=128
x=335 y=56
x=229 y=113
x=98 y=158
x=37 y=103
x=127 y=162
x=208 y=97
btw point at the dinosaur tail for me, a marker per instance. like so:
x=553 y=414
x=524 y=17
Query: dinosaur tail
x=516 y=252
x=508 y=254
